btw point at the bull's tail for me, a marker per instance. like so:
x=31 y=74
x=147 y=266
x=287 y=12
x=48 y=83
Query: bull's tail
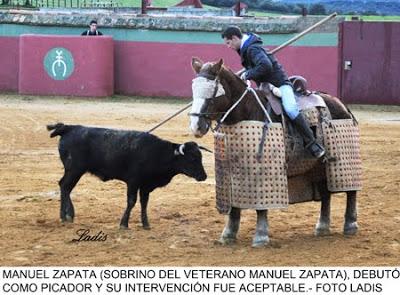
x=58 y=129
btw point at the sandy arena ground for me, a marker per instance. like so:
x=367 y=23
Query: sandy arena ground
x=185 y=223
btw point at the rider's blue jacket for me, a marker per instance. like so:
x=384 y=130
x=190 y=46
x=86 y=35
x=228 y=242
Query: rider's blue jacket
x=261 y=66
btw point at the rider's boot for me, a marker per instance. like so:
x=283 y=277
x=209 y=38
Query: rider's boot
x=308 y=136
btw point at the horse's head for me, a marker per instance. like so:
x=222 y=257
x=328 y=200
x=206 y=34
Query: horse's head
x=206 y=90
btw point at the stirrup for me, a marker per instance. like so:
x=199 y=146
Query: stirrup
x=316 y=149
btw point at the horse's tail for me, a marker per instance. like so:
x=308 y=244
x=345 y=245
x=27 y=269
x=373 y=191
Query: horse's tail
x=336 y=107
x=59 y=129
x=352 y=115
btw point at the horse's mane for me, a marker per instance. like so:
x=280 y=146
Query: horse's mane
x=227 y=72
x=235 y=87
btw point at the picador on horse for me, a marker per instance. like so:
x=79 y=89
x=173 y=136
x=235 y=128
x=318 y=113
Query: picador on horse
x=262 y=67
x=261 y=163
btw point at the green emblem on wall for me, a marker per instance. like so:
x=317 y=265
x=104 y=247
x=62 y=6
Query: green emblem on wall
x=59 y=63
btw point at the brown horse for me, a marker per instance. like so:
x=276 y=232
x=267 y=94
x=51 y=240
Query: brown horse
x=222 y=89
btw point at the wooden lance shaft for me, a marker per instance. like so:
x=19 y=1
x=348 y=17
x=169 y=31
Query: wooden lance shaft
x=170 y=117
x=306 y=31
x=287 y=43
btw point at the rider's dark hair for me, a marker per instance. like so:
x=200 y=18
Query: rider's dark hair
x=231 y=31
x=93 y=22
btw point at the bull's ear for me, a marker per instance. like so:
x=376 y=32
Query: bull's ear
x=217 y=67
x=180 y=150
x=197 y=64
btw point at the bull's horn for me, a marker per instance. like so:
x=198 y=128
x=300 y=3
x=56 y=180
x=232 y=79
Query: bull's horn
x=181 y=147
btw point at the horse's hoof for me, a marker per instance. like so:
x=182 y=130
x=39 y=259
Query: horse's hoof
x=67 y=219
x=226 y=241
x=123 y=227
x=322 y=229
x=350 y=229
x=260 y=242
x=146 y=227
x=321 y=232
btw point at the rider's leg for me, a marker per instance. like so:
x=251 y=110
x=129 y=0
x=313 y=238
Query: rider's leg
x=292 y=110
x=289 y=101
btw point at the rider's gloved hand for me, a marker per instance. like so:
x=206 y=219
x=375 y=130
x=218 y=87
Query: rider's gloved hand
x=243 y=76
x=275 y=90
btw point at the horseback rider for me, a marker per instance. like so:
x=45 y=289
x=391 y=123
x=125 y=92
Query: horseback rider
x=261 y=66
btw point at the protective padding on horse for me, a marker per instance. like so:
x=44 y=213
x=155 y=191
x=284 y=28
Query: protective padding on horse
x=241 y=180
x=313 y=115
x=204 y=88
x=342 y=144
x=299 y=159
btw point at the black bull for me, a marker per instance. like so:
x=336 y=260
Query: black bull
x=141 y=160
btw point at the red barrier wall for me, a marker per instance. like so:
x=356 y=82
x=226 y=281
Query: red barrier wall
x=9 y=55
x=93 y=65
x=317 y=64
x=163 y=69
x=371 y=52
x=140 y=68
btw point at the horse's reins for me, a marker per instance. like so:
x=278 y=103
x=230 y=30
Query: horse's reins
x=265 y=127
x=226 y=114
x=248 y=89
x=229 y=111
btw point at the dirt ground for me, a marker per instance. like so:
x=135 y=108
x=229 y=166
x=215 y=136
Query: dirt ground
x=185 y=223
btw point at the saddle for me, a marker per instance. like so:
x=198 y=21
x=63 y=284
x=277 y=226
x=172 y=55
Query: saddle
x=305 y=99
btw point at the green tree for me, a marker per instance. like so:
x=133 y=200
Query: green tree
x=317 y=9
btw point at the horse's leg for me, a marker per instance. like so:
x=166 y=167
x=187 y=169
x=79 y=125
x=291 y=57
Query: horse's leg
x=231 y=229
x=261 y=236
x=350 y=223
x=322 y=228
